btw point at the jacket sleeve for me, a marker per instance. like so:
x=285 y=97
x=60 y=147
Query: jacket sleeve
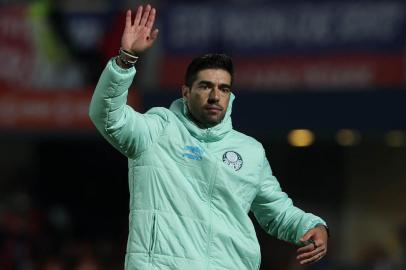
x=127 y=130
x=275 y=211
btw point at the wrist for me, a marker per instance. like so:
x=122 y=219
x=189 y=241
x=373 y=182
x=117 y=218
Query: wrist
x=325 y=227
x=126 y=59
x=121 y=64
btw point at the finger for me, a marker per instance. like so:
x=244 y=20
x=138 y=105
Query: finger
x=310 y=254
x=128 y=19
x=151 y=19
x=319 y=243
x=321 y=257
x=313 y=259
x=154 y=35
x=138 y=16
x=306 y=248
x=145 y=15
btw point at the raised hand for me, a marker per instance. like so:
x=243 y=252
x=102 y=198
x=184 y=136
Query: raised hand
x=138 y=35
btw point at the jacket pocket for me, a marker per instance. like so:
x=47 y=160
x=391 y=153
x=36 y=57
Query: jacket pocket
x=152 y=240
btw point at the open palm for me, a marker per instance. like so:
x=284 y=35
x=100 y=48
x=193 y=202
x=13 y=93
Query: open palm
x=138 y=35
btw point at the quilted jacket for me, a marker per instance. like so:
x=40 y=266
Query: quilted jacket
x=191 y=189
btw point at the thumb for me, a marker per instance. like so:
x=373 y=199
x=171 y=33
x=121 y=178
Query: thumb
x=307 y=235
x=154 y=35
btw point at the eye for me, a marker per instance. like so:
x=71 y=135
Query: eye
x=225 y=89
x=204 y=86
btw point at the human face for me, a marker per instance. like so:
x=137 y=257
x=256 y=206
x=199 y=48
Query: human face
x=207 y=98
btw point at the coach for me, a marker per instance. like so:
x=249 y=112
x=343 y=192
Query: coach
x=193 y=179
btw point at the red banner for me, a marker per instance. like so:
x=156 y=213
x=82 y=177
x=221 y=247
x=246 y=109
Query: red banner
x=321 y=71
x=16 y=46
x=48 y=110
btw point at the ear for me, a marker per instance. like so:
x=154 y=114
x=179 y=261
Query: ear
x=185 y=92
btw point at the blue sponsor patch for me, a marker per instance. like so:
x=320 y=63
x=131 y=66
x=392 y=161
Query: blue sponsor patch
x=193 y=152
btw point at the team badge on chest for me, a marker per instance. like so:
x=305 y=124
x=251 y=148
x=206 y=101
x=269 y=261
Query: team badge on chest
x=233 y=159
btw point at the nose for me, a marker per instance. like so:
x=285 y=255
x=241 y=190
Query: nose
x=214 y=95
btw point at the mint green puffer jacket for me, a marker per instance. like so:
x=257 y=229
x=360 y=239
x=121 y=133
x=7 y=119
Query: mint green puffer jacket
x=191 y=189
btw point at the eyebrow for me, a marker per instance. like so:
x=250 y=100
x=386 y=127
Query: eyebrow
x=211 y=84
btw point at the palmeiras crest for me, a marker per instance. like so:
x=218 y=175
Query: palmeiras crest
x=233 y=159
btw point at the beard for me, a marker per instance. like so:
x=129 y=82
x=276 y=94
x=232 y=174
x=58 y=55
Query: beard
x=205 y=119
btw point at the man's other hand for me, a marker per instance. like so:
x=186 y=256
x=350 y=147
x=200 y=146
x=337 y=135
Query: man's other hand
x=317 y=249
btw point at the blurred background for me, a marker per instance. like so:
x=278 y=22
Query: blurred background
x=320 y=83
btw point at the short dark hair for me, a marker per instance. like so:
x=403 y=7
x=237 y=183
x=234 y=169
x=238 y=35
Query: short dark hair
x=208 y=61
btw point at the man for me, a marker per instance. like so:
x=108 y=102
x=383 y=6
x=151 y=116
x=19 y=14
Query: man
x=192 y=178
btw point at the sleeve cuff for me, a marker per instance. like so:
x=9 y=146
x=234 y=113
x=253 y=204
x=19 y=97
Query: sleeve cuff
x=121 y=70
x=117 y=80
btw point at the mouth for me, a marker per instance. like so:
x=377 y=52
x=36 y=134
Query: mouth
x=213 y=109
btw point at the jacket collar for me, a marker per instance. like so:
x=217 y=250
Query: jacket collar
x=211 y=134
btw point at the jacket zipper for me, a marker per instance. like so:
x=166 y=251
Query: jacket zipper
x=152 y=237
x=211 y=187
x=208 y=133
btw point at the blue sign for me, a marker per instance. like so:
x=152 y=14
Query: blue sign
x=294 y=27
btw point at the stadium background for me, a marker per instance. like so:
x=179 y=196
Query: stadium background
x=320 y=83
